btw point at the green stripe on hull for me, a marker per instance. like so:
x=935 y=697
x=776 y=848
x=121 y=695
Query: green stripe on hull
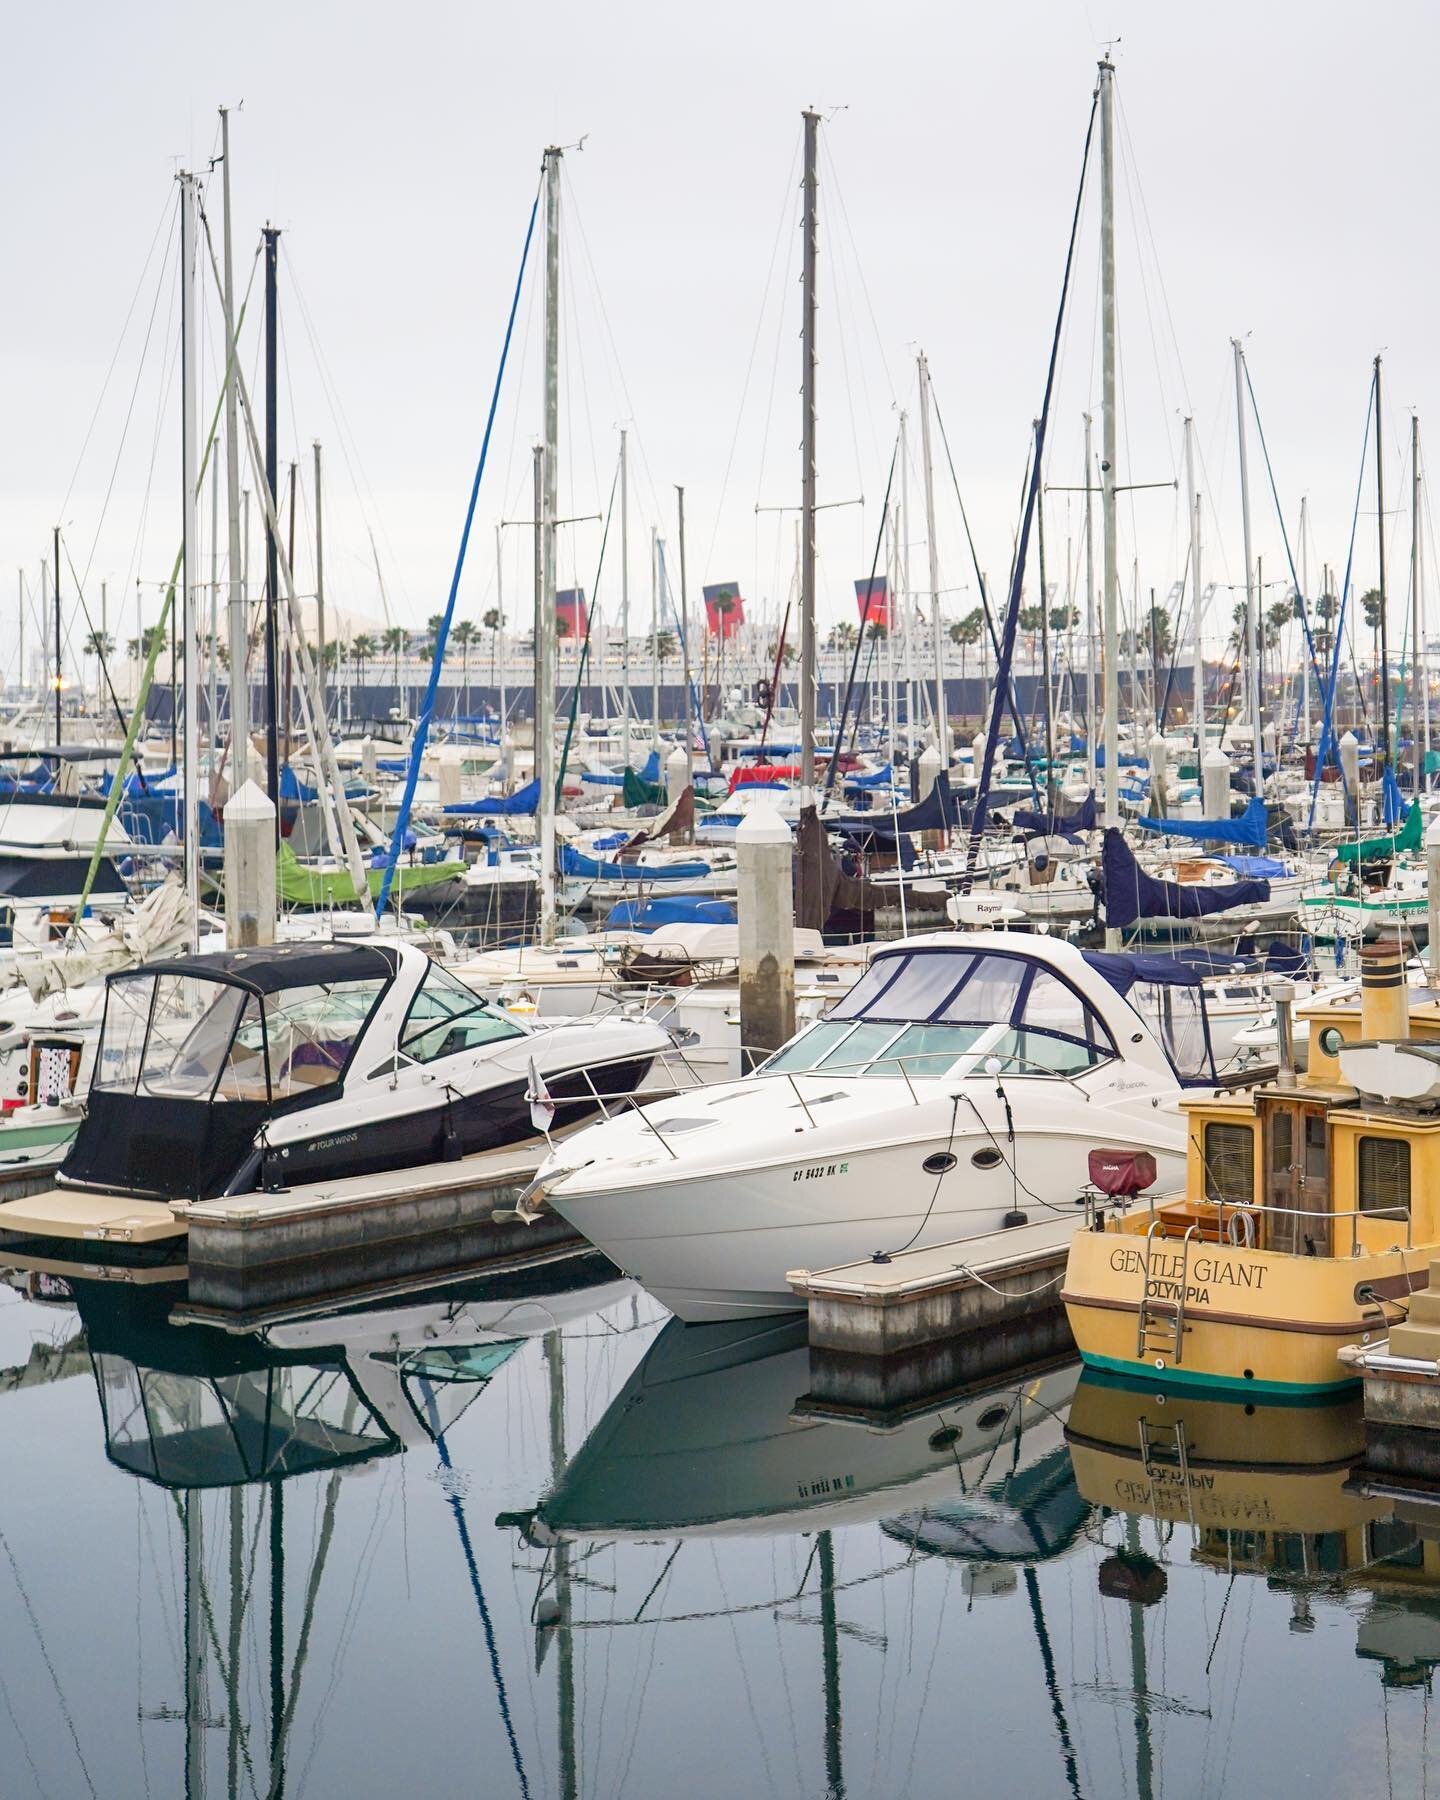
x=1148 y=1375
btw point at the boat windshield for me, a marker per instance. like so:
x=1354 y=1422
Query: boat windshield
x=186 y=1037
x=446 y=1017
x=920 y=1014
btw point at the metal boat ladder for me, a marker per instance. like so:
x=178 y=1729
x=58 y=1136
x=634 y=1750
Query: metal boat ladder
x=1163 y=1451
x=1160 y=1329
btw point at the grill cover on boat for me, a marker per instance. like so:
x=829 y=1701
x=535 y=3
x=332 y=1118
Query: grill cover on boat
x=1120 y=1172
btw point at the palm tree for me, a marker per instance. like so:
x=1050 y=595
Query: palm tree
x=1032 y=620
x=966 y=633
x=665 y=646
x=362 y=648
x=433 y=627
x=877 y=632
x=1162 y=636
x=493 y=620
x=393 y=640
x=99 y=644
x=465 y=635
x=842 y=636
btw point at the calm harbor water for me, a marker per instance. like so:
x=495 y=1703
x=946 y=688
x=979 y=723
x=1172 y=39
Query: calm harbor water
x=533 y=1540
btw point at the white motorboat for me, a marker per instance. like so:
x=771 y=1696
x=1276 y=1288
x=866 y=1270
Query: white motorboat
x=271 y=1067
x=956 y=1090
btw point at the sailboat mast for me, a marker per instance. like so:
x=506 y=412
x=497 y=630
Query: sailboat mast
x=59 y=666
x=1107 y=458
x=1304 y=648
x=500 y=640
x=655 y=634
x=810 y=240
x=272 y=542
x=545 y=631
x=624 y=595
x=1091 y=718
x=904 y=556
x=320 y=583
x=238 y=625
x=1417 y=641
x=212 y=655
x=942 y=743
x=1045 y=635
x=1196 y=623
x=1384 y=671
x=190 y=609
x=1252 y=599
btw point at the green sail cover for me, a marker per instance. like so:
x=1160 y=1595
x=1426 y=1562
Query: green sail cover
x=636 y=792
x=1408 y=837
x=302 y=886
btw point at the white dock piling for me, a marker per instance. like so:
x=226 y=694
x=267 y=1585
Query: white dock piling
x=249 y=868
x=1215 y=784
x=369 y=760
x=1157 y=753
x=1350 y=772
x=677 y=773
x=765 y=905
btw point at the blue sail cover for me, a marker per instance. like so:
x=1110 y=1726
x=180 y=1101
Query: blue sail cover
x=517 y=805
x=1249 y=828
x=1132 y=896
x=1082 y=819
x=575 y=862
x=938 y=811
x=669 y=909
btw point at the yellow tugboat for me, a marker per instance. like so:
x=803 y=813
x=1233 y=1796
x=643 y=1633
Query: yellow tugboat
x=1311 y=1211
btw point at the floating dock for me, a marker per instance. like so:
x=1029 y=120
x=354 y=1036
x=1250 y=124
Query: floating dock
x=922 y=1297
x=246 y=1250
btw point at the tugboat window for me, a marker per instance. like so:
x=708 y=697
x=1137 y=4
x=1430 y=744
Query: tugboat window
x=447 y=1017
x=1230 y=1164
x=1385 y=1177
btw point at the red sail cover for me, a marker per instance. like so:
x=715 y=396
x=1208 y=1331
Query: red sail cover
x=571 y=618
x=879 y=595
x=724 y=609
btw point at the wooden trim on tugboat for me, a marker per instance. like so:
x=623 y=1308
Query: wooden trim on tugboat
x=1328 y=1328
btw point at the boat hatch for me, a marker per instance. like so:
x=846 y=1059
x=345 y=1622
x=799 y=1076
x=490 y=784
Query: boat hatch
x=916 y=1015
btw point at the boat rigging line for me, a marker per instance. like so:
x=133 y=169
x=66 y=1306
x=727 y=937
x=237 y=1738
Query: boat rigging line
x=1012 y=615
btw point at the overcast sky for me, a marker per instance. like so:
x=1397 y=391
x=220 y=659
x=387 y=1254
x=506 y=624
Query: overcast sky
x=1272 y=172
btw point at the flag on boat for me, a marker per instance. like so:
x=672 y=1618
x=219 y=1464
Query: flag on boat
x=542 y=1106
x=571 y=618
x=724 y=609
x=877 y=595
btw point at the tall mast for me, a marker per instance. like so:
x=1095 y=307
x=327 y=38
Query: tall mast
x=1380 y=538
x=810 y=242
x=22 y=630
x=1111 y=563
x=239 y=631
x=1417 y=638
x=1252 y=599
x=190 y=609
x=904 y=555
x=1044 y=634
x=942 y=743
x=272 y=545
x=59 y=666
x=320 y=582
x=624 y=595
x=1304 y=648
x=500 y=633
x=1197 y=624
x=1091 y=713
x=212 y=658
x=545 y=633
x=655 y=633
x=1107 y=457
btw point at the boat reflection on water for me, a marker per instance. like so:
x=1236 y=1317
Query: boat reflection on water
x=192 y=1405
x=705 y=1440
x=1271 y=1491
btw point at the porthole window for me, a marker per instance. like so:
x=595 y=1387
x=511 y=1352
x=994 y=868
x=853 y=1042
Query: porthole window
x=1332 y=1038
x=992 y=1417
x=988 y=1158
x=941 y=1163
